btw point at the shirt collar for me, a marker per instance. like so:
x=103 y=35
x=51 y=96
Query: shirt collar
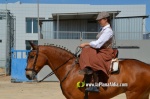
x=107 y=26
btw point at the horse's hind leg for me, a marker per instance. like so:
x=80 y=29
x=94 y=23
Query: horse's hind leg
x=136 y=95
x=146 y=97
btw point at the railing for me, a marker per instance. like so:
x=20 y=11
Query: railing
x=90 y=35
x=19 y=54
x=68 y=35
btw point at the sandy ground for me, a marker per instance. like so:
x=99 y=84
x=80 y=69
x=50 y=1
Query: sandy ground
x=44 y=90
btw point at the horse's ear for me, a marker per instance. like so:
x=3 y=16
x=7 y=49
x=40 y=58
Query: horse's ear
x=34 y=47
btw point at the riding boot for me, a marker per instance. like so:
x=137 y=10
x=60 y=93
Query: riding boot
x=88 y=78
x=93 y=88
x=86 y=70
x=96 y=80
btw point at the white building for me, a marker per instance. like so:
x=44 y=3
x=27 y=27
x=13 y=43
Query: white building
x=25 y=14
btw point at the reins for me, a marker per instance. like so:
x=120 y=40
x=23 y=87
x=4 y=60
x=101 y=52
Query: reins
x=78 y=49
x=51 y=73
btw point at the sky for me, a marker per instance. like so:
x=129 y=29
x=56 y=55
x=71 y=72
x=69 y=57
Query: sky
x=92 y=2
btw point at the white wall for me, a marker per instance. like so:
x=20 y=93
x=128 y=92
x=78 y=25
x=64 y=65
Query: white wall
x=3 y=43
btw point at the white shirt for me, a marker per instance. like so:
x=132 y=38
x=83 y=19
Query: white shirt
x=107 y=33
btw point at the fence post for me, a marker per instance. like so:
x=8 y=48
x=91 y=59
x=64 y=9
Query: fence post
x=80 y=37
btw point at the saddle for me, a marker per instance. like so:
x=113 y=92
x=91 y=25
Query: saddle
x=114 y=66
x=116 y=52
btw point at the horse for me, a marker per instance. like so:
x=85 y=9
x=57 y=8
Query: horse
x=62 y=62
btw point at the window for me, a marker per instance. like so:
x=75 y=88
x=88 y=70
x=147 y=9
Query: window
x=0 y=41
x=28 y=46
x=31 y=25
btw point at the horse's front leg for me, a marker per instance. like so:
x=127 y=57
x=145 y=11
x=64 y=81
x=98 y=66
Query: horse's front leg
x=71 y=92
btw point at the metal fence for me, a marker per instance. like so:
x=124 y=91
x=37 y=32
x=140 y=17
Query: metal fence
x=18 y=65
x=68 y=35
x=90 y=35
x=7 y=38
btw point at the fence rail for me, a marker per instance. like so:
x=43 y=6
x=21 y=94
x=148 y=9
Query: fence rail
x=19 y=54
x=90 y=35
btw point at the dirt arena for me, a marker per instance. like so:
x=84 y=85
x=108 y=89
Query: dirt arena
x=44 y=90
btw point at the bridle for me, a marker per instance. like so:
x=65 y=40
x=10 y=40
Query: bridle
x=34 y=64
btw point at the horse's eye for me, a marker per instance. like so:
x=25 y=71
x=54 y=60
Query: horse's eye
x=31 y=57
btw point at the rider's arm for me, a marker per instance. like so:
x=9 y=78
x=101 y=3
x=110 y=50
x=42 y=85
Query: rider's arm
x=106 y=35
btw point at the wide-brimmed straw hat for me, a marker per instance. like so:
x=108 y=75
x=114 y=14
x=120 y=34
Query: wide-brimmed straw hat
x=102 y=15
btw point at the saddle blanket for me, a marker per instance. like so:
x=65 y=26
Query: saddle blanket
x=114 y=67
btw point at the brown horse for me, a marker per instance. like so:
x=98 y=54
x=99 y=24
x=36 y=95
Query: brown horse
x=133 y=72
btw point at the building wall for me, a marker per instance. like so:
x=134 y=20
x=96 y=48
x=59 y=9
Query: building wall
x=129 y=28
x=3 y=36
x=21 y=11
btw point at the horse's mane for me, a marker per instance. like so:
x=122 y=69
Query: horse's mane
x=59 y=47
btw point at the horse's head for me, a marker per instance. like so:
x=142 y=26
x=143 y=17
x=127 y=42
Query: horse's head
x=36 y=60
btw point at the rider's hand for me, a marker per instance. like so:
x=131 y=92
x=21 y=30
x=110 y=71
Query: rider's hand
x=84 y=44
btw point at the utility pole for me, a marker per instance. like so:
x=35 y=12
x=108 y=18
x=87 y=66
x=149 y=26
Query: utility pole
x=38 y=19
x=6 y=4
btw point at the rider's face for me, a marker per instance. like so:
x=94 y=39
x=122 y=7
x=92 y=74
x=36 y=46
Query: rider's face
x=103 y=22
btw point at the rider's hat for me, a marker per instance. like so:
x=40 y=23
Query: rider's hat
x=102 y=15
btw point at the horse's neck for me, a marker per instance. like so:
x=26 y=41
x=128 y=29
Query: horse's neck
x=61 y=60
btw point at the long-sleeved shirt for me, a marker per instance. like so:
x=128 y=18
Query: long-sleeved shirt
x=106 y=34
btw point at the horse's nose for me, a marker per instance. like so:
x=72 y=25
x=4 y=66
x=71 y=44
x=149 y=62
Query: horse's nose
x=29 y=75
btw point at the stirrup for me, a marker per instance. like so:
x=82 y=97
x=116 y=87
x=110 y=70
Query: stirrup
x=92 y=89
